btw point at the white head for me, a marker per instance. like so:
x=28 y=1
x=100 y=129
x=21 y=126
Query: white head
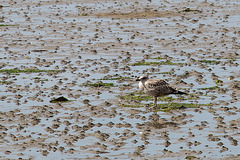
x=142 y=78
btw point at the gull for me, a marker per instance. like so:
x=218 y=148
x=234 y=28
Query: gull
x=156 y=88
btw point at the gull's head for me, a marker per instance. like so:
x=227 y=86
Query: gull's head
x=142 y=78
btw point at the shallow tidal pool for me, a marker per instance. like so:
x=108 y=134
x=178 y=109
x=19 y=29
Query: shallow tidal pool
x=91 y=52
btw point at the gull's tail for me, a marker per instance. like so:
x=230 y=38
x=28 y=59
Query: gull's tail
x=178 y=92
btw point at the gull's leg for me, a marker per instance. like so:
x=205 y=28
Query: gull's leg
x=155 y=102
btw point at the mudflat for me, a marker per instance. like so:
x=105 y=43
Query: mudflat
x=68 y=70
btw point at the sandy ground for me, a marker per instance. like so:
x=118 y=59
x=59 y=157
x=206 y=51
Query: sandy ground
x=91 y=41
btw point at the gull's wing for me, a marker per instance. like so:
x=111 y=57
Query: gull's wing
x=159 y=87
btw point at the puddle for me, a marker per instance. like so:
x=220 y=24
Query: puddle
x=69 y=36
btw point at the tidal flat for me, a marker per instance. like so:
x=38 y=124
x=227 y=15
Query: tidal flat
x=87 y=55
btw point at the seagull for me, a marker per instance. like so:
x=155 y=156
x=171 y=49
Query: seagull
x=156 y=88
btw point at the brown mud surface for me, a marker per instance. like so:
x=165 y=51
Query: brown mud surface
x=89 y=53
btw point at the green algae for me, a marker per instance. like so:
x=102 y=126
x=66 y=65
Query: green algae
x=218 y=81
x=6 y=25
x=99 y=84
x=138 y=96
x=207 y=61
x=142 y=97
x=190 y=10
x=213 y=62
x=6 y=82
x=159 y=58
x=28 y=71
x=156 y=73
x=166 y=107
x=191 y=158
x=209 y=88
x=40 y=79
x=114 y=78
x=154 y=63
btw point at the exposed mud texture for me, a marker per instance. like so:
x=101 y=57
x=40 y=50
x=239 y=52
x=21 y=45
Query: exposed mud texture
x=90 y=53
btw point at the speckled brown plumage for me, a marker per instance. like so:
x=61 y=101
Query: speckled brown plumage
x=156 y=87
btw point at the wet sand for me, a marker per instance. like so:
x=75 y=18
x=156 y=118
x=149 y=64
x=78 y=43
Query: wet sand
x=98 y=41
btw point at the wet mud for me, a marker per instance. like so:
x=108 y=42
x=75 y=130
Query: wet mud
x=90 y=52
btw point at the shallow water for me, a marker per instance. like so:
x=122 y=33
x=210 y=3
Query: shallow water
x=69 y=36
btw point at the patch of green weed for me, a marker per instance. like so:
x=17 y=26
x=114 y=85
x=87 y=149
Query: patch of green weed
x=154 y=63
x=190 y=10
x=155 y=73
x=142 y=97
x=166 y=107
x=5 y=25
x=28 y=71
x=112 y=78
x=191 y=158
x=99 y=84
x=159 y=58
x=5 y=82
x=218 y=81
x=209 y=88
x=84 y=14
x=131 y=106
x=40 y=79
x=214 y=62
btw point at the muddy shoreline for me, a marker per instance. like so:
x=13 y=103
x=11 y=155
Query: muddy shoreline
x=91 y=52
